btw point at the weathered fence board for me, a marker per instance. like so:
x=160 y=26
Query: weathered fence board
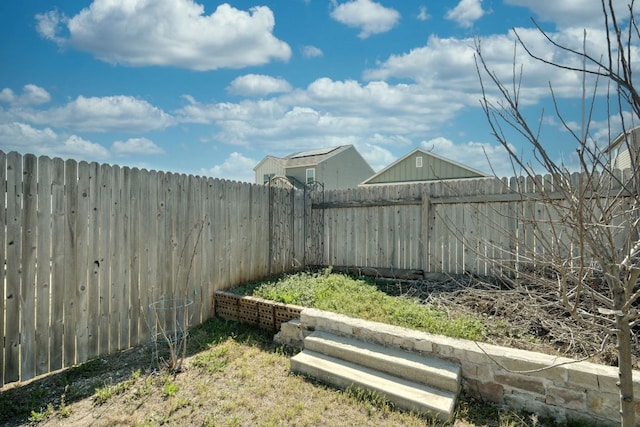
x=28 y=262
x=57 y=265
x=43 y=272
x=82 y=289
x=3 y=221
x=70 y=271
x=12 y=280
x=104 y=259
x=93 y=259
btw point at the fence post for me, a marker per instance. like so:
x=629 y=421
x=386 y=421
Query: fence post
x=425 y=232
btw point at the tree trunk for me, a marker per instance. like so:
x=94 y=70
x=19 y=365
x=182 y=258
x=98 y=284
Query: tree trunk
x=625 y=372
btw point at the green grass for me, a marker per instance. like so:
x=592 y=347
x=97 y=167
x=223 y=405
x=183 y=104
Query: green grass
x=361 y=298
x=103 y=394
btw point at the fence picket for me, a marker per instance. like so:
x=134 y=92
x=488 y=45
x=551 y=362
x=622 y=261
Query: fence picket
x=81 y=274
x=116 y=304
x=28 y=347
x=70 y=262
x=124 y=258
x=57 y=264
x=14 y=243
x=134 y=257
x=3 y=221
x=93 y=263
x=104 y=259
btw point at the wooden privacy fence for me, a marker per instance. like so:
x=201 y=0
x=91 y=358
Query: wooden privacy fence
x=456 y=226
x=87 y=247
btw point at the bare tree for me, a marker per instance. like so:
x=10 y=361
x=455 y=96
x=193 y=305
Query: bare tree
x=579 y=246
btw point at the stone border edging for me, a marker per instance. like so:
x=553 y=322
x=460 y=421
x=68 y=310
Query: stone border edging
x=552 y=386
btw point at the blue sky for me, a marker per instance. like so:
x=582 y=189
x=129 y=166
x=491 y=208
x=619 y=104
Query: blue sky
x=209 y=88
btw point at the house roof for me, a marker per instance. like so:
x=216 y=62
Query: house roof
x=313 y=157
x=277 y=159
x=307 y=158
x=433 y=156
x=634 y=133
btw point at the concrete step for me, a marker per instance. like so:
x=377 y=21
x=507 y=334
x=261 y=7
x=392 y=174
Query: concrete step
x=405 y=394
x=437 y=373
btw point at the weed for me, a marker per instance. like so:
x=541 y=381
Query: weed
x=212 y=360
x=178 y=404
x=103 y=394
x=145 y=389
x=373 y=399
x=64 y=411
x=169 y=389
x=38 y=417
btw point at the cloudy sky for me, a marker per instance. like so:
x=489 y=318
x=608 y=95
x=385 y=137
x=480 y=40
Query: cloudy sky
x=209 y=88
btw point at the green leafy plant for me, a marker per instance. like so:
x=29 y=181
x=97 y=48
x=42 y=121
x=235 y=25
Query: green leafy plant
x=169 y=389
x=39 y=416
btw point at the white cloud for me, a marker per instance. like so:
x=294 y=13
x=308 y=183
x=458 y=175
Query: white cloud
x=20 y=136
x=466 y=13
x=24 y=138
x=423 y=15
x=136 y=146
x=34 y=95
x=376 y=156
x=101 y=114
x=442 y=62
x=236 y=167
x=484 y=157
x=169 y=33
x=78 y=148
x=49 y=25
x=370 y=17
x=311 y=52
x=328 y=113
x=449 y=64
x=31 y=95
x=572 y=13
x=7 y=95
x=258 y=85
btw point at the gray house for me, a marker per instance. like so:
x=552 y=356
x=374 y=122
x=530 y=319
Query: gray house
x=618 y=150
x=336 y=168
x=421 y=165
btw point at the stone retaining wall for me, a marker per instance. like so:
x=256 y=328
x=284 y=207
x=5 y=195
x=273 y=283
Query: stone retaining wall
x=516 y=378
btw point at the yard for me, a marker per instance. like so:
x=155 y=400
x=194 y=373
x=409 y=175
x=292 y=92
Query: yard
x=236 y=375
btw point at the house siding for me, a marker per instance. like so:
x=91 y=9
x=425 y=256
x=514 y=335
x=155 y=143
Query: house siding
x=432 y=169
x=622 y=158
x=300 y=173
x=347 y=170
x=270 y=165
